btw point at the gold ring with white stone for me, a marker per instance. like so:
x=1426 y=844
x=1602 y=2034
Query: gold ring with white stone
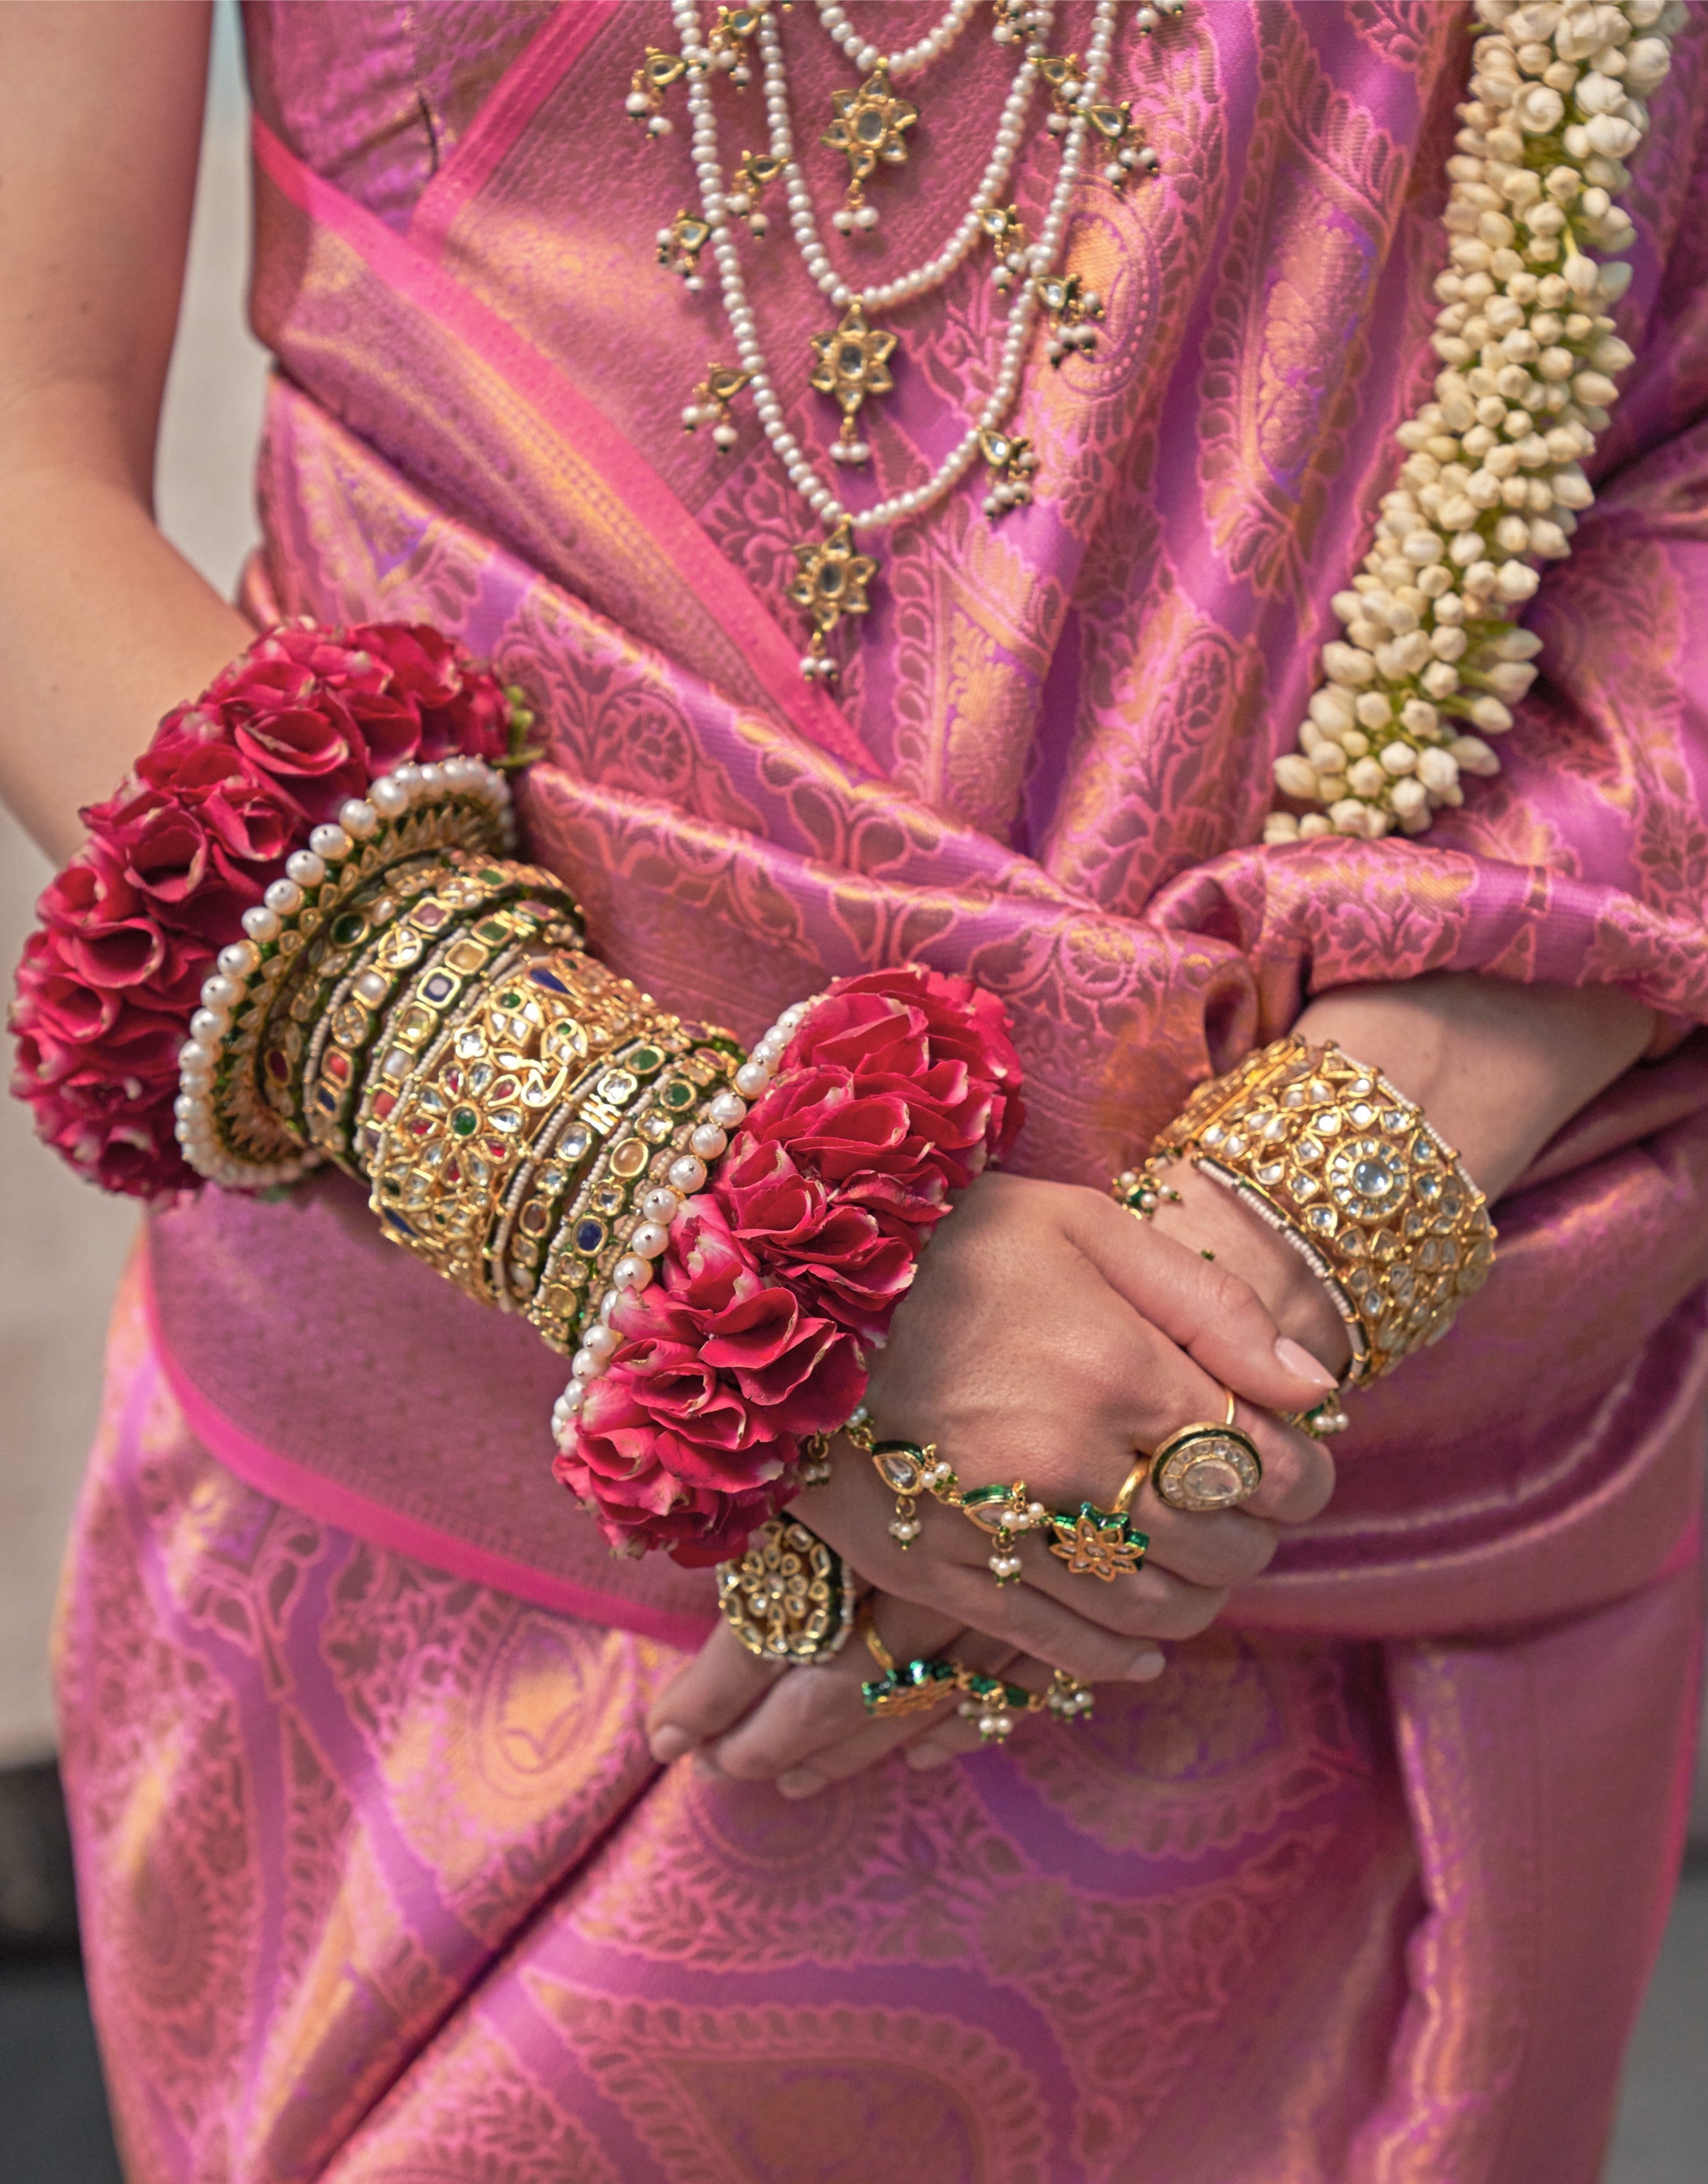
x=1205 y=1467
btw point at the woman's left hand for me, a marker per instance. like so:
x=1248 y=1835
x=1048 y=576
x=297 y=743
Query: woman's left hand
x=804 y=1728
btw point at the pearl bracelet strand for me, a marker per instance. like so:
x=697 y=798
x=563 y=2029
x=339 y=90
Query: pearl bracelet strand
x=237 y=967
x=866 y=58
x=801 y=474
x=660 y=1207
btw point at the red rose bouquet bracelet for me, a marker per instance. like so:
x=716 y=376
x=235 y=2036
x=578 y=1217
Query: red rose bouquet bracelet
x=295 y=936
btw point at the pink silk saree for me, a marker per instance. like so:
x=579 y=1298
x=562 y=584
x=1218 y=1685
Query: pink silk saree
x=378 y=1879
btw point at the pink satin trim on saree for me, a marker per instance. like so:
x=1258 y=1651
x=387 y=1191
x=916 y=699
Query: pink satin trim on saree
x=329 y=1502
x=504 y=117
x=696 y=562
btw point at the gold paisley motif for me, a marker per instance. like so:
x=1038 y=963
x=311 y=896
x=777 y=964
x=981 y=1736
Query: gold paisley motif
x=772 y=2094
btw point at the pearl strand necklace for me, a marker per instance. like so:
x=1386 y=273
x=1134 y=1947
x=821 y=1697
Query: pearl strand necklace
x=866 y=57
x=801 y=475
x=992 y=188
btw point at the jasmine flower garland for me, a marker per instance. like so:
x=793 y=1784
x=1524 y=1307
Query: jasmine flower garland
x=1432 y=661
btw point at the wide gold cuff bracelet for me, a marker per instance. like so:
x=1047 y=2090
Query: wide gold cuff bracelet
x=1330 y=1157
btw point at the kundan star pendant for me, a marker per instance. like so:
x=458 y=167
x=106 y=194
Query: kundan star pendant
x=1097 y=1543
x=870 y=126
x=832 y=582
x=853 y=362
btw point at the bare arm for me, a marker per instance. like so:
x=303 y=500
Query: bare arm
x=104 y=627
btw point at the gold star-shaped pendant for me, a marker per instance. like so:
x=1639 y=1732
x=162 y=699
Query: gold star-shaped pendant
x=832 y=579
x=870 y=126
x=1097 y=1544
x=853 y=361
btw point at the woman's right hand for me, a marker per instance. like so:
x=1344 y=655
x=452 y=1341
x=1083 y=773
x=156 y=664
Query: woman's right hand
x=1049 y=1337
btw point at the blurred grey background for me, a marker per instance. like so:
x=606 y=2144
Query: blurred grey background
x=62 y=1247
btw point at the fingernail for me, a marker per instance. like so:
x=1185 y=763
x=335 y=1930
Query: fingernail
x=800 y=1782
x=669 y=1742
x=1302 y=1365
x=923 y=1757
x=1146 y=1666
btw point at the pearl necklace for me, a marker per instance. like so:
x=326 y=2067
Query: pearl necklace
x=992 y=189
x=866 y=58
x=832 y=577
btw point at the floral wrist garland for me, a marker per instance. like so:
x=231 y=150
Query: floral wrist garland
x=891 y=1091
x=1493 y=480
x=232 y=788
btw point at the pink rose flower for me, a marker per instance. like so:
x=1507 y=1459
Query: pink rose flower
x=834 y=1255
x=229 y=787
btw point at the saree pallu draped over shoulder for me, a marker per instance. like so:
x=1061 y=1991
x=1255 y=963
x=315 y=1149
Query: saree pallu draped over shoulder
x=379 y=1879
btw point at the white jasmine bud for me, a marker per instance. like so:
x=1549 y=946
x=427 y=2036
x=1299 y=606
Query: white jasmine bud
x=1440 y=681
x=1509 y=678
x=1333 y=711
x=1397 y=758
x=1516 y=580
x=1571 y=488
x=1295 y=776
x=1472 y=756
x=1438 y=769
x=1346 y=665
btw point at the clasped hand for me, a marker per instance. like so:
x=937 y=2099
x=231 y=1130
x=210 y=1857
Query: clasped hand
x=1048 y=1335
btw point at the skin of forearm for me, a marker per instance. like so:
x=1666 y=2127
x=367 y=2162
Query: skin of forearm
x=104 y=626
x=1497 y=1067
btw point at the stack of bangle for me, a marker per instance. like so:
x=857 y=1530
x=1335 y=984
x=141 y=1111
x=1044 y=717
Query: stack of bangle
x=241 y=1070
x=1330 y=1156
x=408 y=1002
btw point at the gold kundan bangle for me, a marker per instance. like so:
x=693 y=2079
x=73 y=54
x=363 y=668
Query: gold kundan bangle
x=1324 y=1151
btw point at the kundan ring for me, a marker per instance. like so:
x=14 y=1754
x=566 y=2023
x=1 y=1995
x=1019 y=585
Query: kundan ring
x=789 y=1598
x=1206 y=1466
